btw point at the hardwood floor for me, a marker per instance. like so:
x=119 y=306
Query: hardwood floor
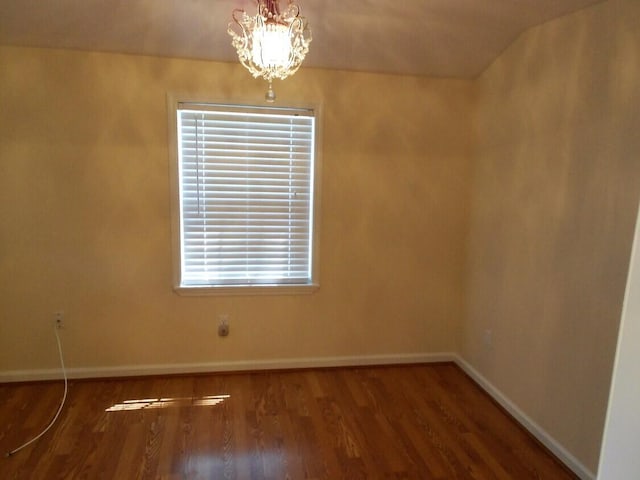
x=405 y=422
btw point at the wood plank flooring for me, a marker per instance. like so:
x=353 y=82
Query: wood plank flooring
x=404 y=422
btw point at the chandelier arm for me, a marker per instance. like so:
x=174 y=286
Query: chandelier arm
x=238 y=38
x=292 y=11
x=262 y=8
x=236 y=12
x=295 y=24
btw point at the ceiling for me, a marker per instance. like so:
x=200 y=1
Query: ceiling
x=442 y=38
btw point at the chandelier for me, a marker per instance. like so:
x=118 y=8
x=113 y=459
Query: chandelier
x=271 y=44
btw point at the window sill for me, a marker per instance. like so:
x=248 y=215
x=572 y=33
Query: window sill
x=247 y=290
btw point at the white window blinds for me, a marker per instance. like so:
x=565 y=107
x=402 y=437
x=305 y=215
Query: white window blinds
x=246 y=195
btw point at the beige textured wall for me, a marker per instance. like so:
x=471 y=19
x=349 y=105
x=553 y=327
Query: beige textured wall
x=85 y=216
x=556 y=183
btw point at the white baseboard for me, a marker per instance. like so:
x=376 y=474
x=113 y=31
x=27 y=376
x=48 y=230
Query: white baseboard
x=319 y=362
x=237 y=366
x=536 y=430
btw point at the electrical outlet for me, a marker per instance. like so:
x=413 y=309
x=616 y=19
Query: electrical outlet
x=223 y=330
x=487 y=338
x=223 y=326
x=58 y=319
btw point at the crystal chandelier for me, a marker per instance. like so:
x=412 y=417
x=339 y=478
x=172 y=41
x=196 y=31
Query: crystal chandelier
x=271 y=44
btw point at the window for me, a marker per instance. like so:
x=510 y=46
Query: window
x=246 y=194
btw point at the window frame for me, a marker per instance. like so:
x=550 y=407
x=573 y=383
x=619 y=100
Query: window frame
x=173 y=105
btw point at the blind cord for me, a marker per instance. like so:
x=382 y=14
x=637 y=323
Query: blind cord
x=64 y=398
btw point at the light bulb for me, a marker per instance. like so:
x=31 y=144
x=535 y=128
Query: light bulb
x=271 y=45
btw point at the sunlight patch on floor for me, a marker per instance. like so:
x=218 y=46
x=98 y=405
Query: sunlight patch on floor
x=150 y=403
